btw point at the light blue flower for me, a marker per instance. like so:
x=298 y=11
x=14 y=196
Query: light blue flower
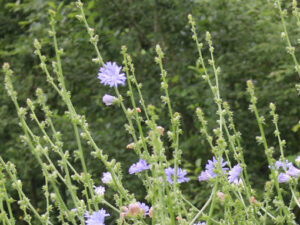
x=100 y=190
x=180 y=175
x=284 y=165
x=108 y=99
x=138 y=167
x=106 y=177
x=200 y=223
x=211 y=165
x=283 y=178
x=289 y=171
x=110 y=74
x=209 y=169
x=293 y=171
x=96 y=218
x=204 y=176
x=234 y=173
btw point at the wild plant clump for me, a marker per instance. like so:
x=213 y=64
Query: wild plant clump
x=84 y=202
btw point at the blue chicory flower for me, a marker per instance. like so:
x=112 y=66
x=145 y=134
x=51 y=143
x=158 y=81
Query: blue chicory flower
x=106 y=177
x=100 y=190
x=138 y=167
x=204 y=176
x=200 y=223
x=234 y=174
x=293 y=171
x=180 y=175
x=110 y=74
x=209 y=169
x=108 y=99
x=284 y=165
x=283 y=178
x=96 y=218
x=74 y=210
x=289 y=171
x=211 y=165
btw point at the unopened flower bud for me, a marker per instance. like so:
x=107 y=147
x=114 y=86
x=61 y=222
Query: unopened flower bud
x=109 y=99
x=6 y=66
x=138 y=110
x=130 y=146
x=252 y=199
x=161 y=129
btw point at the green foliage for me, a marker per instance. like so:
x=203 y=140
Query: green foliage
x=247 y=44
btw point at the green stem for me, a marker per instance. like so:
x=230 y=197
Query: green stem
x=203 y=208
x=212 y=206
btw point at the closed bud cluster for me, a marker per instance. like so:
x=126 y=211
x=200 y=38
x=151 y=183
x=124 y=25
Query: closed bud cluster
x=159 y=51
x=79 y=4
x=79 y=17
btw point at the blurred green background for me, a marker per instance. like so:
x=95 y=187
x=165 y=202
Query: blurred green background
x=246 y=36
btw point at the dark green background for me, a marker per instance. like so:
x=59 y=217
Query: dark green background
x=246 y=36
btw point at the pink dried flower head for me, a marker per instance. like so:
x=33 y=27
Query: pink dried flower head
x=122 y=216
x=161 y=129
x=221 y=196
x=151 y=212
x=124 y=209
x=124 y=212
x=252 y=199
x=135 y=209
x=138 y=110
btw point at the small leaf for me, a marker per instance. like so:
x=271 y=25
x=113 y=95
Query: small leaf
x=296 y=127
x=52 y=5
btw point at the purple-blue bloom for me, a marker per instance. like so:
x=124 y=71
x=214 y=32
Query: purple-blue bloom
x=204 y=176
x=144 y=207
x=293 y=171
x=106 y=177
x=210 y=167
x=200 y=223
x=283 y=178
x=138 y=167
x=234 y=174
x=108 y=99
x=180 y=175
x=284 y=165
x=289 y=169
x=100 y=190
x=97 y=218
x=110 y=74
